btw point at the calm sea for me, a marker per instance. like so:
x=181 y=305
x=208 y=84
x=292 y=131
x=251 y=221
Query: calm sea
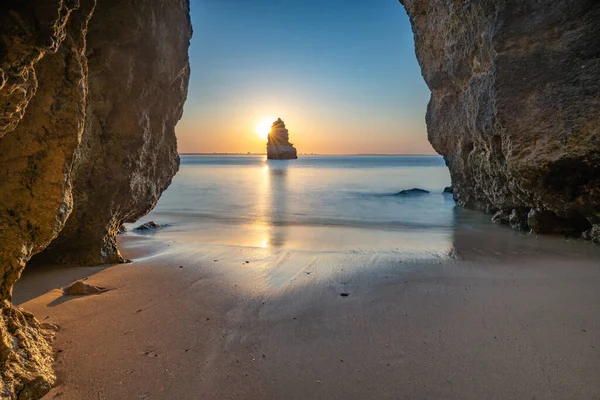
x=343 y=204
x=251 y=201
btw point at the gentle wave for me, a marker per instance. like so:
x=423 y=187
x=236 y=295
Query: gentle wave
x=190 y=217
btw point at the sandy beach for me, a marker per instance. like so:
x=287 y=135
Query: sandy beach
x=502 y=315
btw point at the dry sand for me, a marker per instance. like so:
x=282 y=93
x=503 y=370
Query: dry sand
x=501 y=317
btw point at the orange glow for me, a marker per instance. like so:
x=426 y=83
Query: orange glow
x=263 y=128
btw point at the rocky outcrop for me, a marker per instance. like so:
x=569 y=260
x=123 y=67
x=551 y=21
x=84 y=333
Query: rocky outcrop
x=149 y=226
x=278 y=145
x=38 y=153
x=89 y=97
x=412 y=192
x=514 y=99
x=139 y=73
x=26 y=355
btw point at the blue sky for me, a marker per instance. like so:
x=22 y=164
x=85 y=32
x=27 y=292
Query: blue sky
x=341 y=74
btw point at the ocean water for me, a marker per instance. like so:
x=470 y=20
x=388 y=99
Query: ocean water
x=316 y=202
x=319 y=205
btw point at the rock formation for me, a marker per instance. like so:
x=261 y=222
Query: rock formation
x=26 y=354
x=90 y=92
x=138 y=83
x=412 y=192
x=81 y=288
x=514 y=104
x=278 y=145
x=89 y=97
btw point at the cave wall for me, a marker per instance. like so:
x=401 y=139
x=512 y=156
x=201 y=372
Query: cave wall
x=138 y=78
x=90 y=92
x=49 y=71
x=514 y=105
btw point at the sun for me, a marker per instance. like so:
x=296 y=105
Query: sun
x=263 y=128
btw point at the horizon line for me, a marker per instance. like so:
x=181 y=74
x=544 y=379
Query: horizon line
x=310 y=154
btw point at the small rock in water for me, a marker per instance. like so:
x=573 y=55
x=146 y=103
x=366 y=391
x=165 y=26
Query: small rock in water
x=413 y=191
x=122 y=229
x=344 y=294
x=80 y=288
x=148 y=226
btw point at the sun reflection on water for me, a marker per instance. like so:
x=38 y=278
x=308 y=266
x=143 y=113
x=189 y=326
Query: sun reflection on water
x=271 y=207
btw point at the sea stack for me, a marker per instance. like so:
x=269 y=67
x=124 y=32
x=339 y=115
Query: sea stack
x=279 y=146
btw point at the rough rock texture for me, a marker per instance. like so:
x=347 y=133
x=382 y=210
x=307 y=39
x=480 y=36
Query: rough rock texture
x=516 y=218
x=139 y=72
x=514 y=101
x=278 y=145
x=38 y=153
x=25 y=355
x=151 y=225
x=593 y=234
x=86 y=147
x=25 y=38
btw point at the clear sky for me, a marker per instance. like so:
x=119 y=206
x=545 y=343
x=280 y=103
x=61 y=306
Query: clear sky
x=342 y=74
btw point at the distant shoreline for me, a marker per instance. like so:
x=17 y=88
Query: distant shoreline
x=314 y=154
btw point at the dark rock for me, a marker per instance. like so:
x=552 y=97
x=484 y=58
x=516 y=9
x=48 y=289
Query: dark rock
x=516 y=218
x=543 y=221
x=413 y=191
x=592 y=234
x=122 y=229
x=152 y=225
x=514 y=108
x=448 y=189
x=502 y=217
x=344 y=294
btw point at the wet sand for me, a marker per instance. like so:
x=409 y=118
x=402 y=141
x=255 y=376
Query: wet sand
x=498 y=315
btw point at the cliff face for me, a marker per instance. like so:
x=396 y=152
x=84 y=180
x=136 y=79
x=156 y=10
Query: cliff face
x=513 y=110
x=43 y=96
x=38 y=150
x=89 y=97
x=139 y=71
x=106 y=153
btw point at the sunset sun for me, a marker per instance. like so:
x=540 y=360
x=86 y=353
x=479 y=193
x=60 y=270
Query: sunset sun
x=263 y=128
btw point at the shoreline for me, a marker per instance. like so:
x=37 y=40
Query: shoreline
x=504 y=318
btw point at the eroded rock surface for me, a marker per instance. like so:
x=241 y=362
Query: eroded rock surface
x=139 y=74
x=89 y=97
x=26 y=355
x=514 y=99
x=38 y=155
x=24 y=40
